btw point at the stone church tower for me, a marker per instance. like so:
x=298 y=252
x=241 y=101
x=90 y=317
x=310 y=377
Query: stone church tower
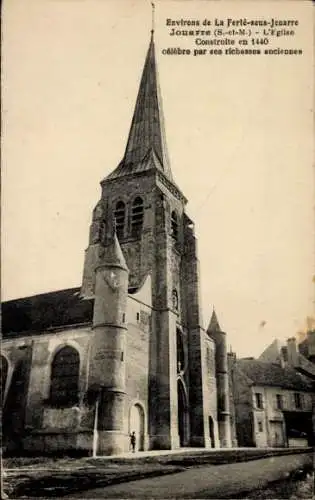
x=142 y=201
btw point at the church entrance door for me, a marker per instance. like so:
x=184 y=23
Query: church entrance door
x=136 y=424
x=182 y=415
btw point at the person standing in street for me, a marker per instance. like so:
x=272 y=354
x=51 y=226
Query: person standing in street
x=133 y=441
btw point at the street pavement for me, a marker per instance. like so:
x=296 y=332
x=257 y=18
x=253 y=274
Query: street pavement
x=212 y=481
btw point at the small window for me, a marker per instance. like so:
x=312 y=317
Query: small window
x=137 y=217
x=174 y=225
x=175 y=299
x=120 y=217
x=279 y=401
x=260 y=426
x=297 y=400
x=259 y=400
x=64 y=385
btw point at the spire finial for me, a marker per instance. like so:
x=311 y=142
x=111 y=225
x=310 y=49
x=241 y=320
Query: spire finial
x=153 y=18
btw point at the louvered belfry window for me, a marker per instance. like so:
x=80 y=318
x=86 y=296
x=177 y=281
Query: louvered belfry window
x=65 y=377
x=137 y=217
x=120 y=217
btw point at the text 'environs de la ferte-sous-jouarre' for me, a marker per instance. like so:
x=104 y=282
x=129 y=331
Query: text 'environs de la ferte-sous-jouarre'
x=230 y=36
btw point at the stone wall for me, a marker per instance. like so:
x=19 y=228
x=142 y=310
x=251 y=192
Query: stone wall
x=37 y=418
x=137 y=365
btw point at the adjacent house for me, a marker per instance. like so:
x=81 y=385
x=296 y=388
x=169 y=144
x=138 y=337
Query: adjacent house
x=272 y=404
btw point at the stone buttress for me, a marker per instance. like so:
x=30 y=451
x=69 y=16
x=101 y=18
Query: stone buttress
x=221 y=361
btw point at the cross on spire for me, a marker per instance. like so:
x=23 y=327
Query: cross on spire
x=153 y=18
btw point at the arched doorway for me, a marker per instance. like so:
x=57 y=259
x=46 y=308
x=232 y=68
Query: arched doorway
x=182 y=414
x=211 y=432
x=136 y=424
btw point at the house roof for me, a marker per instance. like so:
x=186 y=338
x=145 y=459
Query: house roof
x=274 y=375
x=42 y=312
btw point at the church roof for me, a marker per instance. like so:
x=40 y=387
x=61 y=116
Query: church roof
x=146 y=146
x=47 y=310
x=274 y=375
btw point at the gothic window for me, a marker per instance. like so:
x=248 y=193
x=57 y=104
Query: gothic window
x=120 y=217
x=174 y=225
x=64 y=383
x=137 y=217
x=175 y=299
x=4 y=375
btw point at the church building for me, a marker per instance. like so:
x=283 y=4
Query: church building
x=127 y=351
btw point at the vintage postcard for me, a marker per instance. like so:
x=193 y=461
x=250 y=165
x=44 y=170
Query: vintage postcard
x=158 y=323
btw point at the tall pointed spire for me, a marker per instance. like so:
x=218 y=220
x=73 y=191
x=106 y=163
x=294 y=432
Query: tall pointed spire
x=147 y=127
x=146 y=145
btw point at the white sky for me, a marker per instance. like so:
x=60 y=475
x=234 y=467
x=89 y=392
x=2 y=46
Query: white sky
x=239 y=133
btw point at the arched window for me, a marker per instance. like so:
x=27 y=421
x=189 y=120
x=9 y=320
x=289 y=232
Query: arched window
x=120 y=217
x=4 y=375
x=174 y=225
x=64 y=385
x=137 y=217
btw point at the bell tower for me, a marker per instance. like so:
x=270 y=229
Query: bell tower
x=156 y=237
